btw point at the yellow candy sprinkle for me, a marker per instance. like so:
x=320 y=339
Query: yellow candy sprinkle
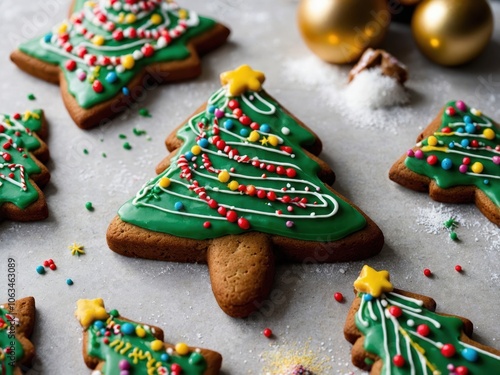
x=121 y=17
x=128 y=62
x=196 y=149
x=432 y=141
x=181 y=348
x=233 y=185
x=157 y=345
x=182 y=13
x=140 y=332
x=156 y=19
x=98 y=40
x=63 y=28
x=130 y=18
x=254 y=136
x=489 y=134
x=224 y=176
x=164 y=182
x=274 y=141
x=476 y=112
x=477 y=167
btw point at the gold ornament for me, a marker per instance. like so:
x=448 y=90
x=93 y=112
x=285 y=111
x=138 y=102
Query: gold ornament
x=339 y=31
x=452 y=32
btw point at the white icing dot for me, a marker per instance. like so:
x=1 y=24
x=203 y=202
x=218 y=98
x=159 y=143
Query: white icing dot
x=117 y=6
x=285 y=130
x=383 y=302
x=292 y=156
x=410 y=322
x=251 y=97
x=137 y=55
x=120 y=69
x=288 y=185
x=170 y=351
x=313 y=214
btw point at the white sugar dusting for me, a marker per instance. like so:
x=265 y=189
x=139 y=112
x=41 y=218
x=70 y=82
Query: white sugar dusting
x=371 y=89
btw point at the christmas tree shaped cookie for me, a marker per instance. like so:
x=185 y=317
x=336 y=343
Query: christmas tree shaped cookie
x=241 y=186
x=22 y=173
x=397 y=332
x=456 y=159
x=114 y=345
x=111 y=52
x=17 y=321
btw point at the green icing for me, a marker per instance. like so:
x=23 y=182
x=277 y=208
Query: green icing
x=154 y=207
x=136 y=351
x=487 y=151
x=7 y=341
x=387 y=336
x=20 y=132
x=46 y=49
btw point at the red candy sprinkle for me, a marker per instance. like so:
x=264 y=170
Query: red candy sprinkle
x=70 y=65
x=237 y=112
x=466 y=161
x=245 y=120
x=261 y=194
x=175 y=367
x=254 y=126
x=290 y=172
x=462 y=370
x=243 y=223
x=446 y=130
x=395 y=311
x=17 y=116
x=458 y=268
x=7 y=157
x=231 y=216
x=338 y=297
x=474 y=143
x=53 y=267
x=432 y=159
x=212 y=203
x=448 y=350
x=207 y=224
x=46 y=263
x=280 y=170
x=97 y=86
x=450 y=111
x=427 y=272
x=398 y=360
x=222 y=211
x=423 y=330
x=233 y=104
x=267 y=332
x=148 y=50
x=271 y=195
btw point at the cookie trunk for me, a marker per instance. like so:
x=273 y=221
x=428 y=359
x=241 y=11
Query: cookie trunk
x=241 y=272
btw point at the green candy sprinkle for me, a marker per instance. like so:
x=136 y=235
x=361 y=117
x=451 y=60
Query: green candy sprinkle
x=85 y=151
x=31 y=97
x=454 y=236
x=114 y=313
x=89 y=206
x=122 y=136
x=104 y=155
x=144 y=112
x=127 y=146
x=139 y=132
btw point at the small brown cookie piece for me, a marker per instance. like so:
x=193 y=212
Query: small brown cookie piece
x=109 y=54
x=456 y=159
x=398 y=332
x=383 y=60
x=17 y=321
x=243 y=188
x=109 y=339
x=22 y=174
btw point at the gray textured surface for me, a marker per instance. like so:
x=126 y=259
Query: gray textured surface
x=177 y=297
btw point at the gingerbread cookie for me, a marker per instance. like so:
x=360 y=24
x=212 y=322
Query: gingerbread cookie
x=398 y=332
x=22 y=173
x=456 y=159
x=114 y=345
x=17 y=321
x=241 y=186
x=109 y=53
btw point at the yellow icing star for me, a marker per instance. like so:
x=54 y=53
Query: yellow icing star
x=264 y=141
x=373 y=282
x=76 y=249
x=90 y=310
x=28 y=114
x=242 y=79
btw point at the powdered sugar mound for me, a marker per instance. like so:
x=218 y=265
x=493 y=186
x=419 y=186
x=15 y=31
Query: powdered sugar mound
x=433 y=216
x=371 y=89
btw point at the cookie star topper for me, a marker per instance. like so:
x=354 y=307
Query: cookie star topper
x=373 y=282
x=90 y=310
x=242 y=79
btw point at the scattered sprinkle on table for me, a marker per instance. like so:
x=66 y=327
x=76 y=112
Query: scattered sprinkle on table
x=339 y=297
x=104 y=155
x=31 y=97
x=69 y=282
x=427 y=272
x=139 y=132
x=127 y=146
x=40 y=270
x=144 y=112
x=85 y=151
x=122 y=136
x=76 y=249
x=267 y=332
x=458 y=268
x=89 y=206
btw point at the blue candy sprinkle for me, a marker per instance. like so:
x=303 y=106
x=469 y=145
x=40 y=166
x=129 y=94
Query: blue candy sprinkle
x=486 y=182
x=470 y=128
x=460 y=130
x=244 y=132
x=111 y=77
x=189 y=155
x=265 y=128
x=203 y=142
x=367 y=297
x=40 y=270
x=470 y=354
x=467 y=119
x=446 y=164
x=99 y=324
x=178 y=206
x=127 y=328
x=211 y=109
x=228 y=124
x=69 y=282
x=451 y=144
x=464 y=142
x=47 y=38
x=125 y=91
x=164 y=357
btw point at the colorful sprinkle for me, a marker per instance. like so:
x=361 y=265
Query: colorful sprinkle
x=89 y=206
x=69 y=282
x=181 y=348
x=40 y=270
x=458 y=268
x=144 y=112
x=427 y=272
x=339 y=297
x=31 y=97
x=77 y=249
x=127 y=146
x=267 y=332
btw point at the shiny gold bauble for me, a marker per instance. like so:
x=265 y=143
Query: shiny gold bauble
x=339 y=31
x=452 y=32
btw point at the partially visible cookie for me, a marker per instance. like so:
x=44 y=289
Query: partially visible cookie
x=456 y=159
x=108 y=54
x=22 y=174
x=17 y=321
x=114 y=345
x=398 y=332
